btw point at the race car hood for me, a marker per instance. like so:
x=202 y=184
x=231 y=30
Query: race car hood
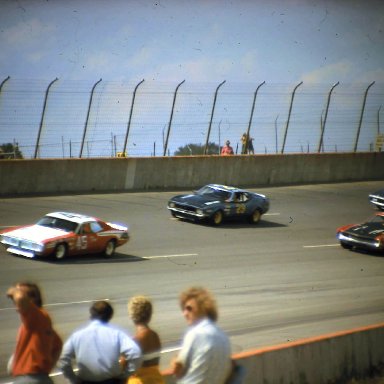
x=195 y=200
x=370 y=229
x=36 y=233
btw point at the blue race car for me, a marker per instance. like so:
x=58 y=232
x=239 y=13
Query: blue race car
x=215 y=202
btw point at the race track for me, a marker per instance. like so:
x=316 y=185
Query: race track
x=281 y=280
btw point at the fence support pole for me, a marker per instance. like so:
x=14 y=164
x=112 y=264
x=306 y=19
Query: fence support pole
x=170 y=119
x=86 y=120
x=2 y=83
x=361 y=116
x=253 y=108
x=325 y=117
x=42 y=118
x=130 y=117
x=210 y=122
x=289 y=116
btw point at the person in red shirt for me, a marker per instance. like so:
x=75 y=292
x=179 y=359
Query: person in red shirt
x=38 y=346
x=227 y=149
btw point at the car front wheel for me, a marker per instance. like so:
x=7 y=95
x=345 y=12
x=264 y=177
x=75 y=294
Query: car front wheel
x=60 y=251
x=109 y=249
x=255 y=217
x=217 y=218
x=345 y=245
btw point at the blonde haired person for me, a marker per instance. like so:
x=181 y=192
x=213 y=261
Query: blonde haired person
x=205 y=355
x=140 y=311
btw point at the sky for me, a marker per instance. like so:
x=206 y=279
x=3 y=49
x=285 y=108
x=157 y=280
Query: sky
x=281 y=41
x=204 y=42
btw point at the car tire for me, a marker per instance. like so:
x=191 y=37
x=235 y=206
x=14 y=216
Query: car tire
x=109 y=249
x=345 y=245
x=61 y=251
x=217 y=218
x=255 y=217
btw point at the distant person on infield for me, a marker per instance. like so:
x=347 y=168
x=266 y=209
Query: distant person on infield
x=38 y=345
x=97 y=349
x=205 y=356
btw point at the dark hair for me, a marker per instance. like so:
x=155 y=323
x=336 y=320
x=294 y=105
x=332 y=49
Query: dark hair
x=101 y=310
x=33 y=292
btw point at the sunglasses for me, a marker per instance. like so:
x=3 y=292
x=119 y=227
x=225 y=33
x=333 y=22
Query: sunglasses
x=188 y=308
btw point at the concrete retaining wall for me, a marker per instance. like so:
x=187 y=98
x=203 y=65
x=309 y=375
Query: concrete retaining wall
x=329 y=359
x=55 y=176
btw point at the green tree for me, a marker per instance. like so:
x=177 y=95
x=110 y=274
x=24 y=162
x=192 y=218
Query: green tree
x=197 y=149
x=10 y=151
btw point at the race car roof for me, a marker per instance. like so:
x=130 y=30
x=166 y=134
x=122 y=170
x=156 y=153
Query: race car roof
x=70 y=216
x=226 y=188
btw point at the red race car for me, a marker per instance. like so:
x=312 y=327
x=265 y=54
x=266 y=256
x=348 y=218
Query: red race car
x=62 y=234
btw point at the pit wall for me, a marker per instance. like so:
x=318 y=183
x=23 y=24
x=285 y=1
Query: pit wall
x=60 y=176
x=335 y=358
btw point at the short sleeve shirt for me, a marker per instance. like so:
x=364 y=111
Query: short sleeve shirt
x=205 y=354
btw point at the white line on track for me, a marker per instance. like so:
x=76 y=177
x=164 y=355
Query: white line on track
x=165 y=256
x=321 y=246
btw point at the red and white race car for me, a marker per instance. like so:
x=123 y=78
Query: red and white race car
x=62 y=234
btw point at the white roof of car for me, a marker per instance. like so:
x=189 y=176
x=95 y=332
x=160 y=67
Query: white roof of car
x=70 y=216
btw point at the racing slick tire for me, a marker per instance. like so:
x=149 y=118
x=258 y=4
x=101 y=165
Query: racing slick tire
x=255 y=217
x=345 y=245
x=110 y=248
x=60 y=252
x=217 y=218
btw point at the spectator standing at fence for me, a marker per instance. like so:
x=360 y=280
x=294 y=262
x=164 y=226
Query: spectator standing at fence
x=205 y=355
x=140 y=311
x=244 y=144
x=251 y=150
x=38 y=345
x=97 y=349
x=227 y=149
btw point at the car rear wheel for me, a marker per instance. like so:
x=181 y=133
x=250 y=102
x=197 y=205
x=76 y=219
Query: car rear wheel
x=109 y=249
x=255 y=217
x=60 y=251
x=217 y=218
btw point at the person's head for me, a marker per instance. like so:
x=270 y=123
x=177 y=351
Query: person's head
x=101 y=310
x=140 y=309
x=227 y=142
x=32 y=291
x=197 y=303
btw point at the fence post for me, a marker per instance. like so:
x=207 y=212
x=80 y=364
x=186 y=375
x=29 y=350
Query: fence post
x=325 y=117
x=42 y=117
x=86 y=120
x=2 y=83
x=289 y=116
x=130 y=117
x=251 y=117
x=210 y=122
x=170 y=120
x=361 y=115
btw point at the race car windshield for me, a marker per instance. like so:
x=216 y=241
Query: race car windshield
x=378 y=219
x=213 y=192
x=54 y=222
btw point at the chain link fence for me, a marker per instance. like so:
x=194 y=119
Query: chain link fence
x=63 y=119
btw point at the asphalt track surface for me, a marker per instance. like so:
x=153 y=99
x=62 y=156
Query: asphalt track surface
x=281 y=280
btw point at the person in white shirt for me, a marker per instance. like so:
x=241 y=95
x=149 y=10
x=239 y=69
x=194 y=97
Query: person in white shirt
x=205 y=355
